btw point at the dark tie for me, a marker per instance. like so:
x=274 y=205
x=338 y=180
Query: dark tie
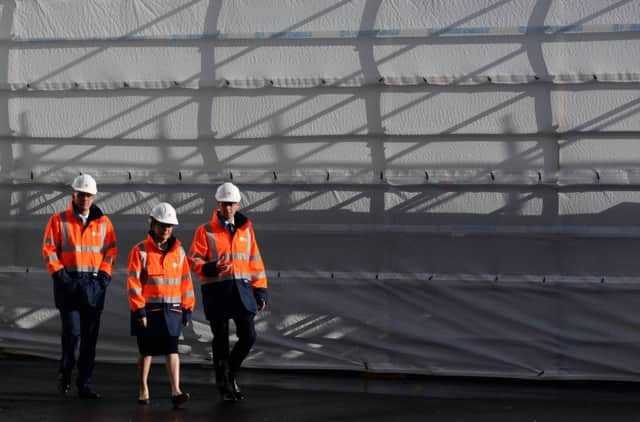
x=230 y=226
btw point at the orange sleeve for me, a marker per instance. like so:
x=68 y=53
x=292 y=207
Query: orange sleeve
x=110 y=249
x=186 y=287
x=256 y=266
x=134 y=284
x=199 y=251
x=51 y=243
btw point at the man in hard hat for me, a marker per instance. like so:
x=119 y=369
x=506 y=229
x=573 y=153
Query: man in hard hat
x=79 y=249
x=225 y=256
x=161 y=299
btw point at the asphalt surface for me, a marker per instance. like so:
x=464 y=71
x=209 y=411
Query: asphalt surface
x=28 y=393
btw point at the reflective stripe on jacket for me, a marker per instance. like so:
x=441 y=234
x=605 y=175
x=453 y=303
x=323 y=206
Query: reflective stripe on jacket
x=212 y=242
x=157 y=277
x=69 y=245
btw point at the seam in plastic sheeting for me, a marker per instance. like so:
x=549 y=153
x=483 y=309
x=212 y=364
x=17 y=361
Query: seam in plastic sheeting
x=389 y=33
x=388 y=177
x=287 y=276
x=528 y=231
x=319 y=82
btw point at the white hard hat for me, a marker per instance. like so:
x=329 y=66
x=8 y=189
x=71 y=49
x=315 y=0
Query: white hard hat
x=164 y=213
x=228 y=192
x=85 y=183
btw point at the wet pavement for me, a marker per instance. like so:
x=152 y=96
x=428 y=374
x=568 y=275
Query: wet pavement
x=28 y=393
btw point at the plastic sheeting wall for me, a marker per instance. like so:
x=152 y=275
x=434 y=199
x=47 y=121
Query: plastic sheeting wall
x=445 y=186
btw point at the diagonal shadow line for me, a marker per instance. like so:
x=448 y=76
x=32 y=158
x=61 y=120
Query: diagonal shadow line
x=132 y=205
x=157 y=116
x=122 y=134
x=102 y=124
x=425 y=197
x=599 y=164
x=617 y=118
x=173 y=12
x=422 y=199
x=261 y=201
x=349 y=201
x=477 y=14
x=193 y=201
x=389 y=57
x=314 y=195
x=607 y=115
x=433 y=94
x=515 y=204
x=300 y=158
x=594 y=15
x=486 y=113
x=42 y=205
x=130 y=109
x=101 y=49
x=336 y=6
x=309 y=323
x=381 y=61
x=530 y=154
x=285 y=109
x=300 y=102
x=290 y=28
x=248 y=148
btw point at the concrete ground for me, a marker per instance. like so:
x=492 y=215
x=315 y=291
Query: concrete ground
x=28 y=393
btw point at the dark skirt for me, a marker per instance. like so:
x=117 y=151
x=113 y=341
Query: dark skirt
x=157 y=345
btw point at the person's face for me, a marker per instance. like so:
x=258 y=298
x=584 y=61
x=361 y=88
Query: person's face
x=161 y=231
x=82 y=201
x=228 y=209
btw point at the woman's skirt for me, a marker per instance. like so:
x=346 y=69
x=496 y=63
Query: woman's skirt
x=157 y=345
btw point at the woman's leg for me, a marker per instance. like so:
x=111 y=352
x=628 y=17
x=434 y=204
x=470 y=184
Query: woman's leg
x=144 y=366
x=173 y=370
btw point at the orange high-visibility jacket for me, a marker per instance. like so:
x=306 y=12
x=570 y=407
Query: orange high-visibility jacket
x=212 y=242
x=69 y=245
x=157 y=277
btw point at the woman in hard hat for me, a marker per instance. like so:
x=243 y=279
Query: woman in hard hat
x=161 y=299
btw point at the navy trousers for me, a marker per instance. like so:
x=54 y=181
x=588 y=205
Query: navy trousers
x=80 y=328
x=245 y=330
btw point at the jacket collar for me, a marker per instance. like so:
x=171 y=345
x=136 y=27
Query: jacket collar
x=94 y=212
x=239 y=219
x=173 y=242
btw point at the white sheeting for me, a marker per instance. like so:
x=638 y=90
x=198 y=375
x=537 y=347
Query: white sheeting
x=444 y=187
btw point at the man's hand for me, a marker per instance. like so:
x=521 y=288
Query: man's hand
x=261 y=304
x=223 y=265
x=143 y=321
x=214 y=268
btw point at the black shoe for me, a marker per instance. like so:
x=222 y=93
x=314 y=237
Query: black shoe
x=144 y=401
x=227 y=395
x=64 y=385
x=235 y=388
x=180 y=399
x=88 y=393
x=223 y=382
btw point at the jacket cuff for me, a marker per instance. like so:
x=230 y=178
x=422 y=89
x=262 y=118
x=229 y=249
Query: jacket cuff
x=140 y=313
x=186 y=316
x=260 y=293
x=210 y=269
x=61 y=276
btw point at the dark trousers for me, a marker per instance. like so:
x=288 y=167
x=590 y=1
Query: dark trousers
x=80 y=327
x=246 y=332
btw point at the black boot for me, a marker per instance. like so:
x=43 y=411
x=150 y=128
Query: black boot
x=223 y=382
x=235 y=388
x=64 y=384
